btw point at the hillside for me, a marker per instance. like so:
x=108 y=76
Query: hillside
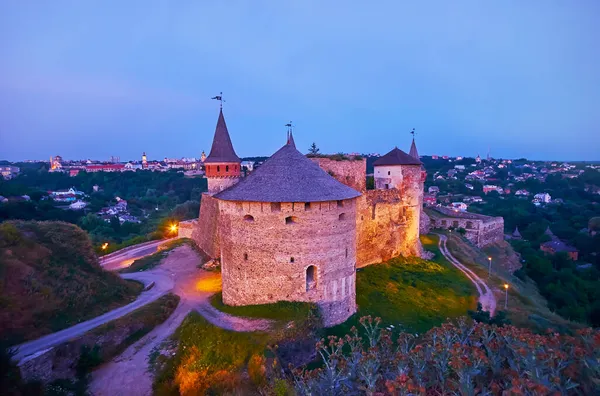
x=50 y=279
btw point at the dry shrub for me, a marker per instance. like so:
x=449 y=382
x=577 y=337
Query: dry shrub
x=257 y=370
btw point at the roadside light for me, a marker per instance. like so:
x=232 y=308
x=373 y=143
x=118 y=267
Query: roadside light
x=506 y=286
x=173 y=228
x=506 y=296
x=104 y=245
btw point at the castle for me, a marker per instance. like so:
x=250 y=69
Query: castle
x=297 y=228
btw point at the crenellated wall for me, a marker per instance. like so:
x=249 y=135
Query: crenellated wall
x=206 y=234
x=267 y=251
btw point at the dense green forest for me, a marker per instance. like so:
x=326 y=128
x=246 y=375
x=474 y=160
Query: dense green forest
x=157 y=198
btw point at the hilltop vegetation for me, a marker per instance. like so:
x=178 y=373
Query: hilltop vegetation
x=50 y=279
x=156 y=198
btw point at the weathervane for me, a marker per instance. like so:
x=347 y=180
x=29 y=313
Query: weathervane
x=219 y=97
x=289 y=130
x=413 y=132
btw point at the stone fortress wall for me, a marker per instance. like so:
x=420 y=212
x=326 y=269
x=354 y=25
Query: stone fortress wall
x=387 y=220
x=206 y=234
x=480 y=229
x=312 y=259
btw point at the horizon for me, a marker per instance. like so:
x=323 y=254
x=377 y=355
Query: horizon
x=469 y=77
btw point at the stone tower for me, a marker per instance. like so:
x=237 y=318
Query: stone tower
x=288 y=233
x=222 y=165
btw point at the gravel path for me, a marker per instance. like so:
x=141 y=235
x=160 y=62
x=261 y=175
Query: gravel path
x=486 y=296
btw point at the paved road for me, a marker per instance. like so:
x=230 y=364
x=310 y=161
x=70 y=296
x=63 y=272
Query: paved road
x=124 y=259
x=163 y=283
x=486 y=296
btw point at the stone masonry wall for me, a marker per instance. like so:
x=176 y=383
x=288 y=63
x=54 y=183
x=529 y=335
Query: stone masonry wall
x=186 y=228
x=265 y=258
x=206 y=233
x=218 y=184
x=387 y=220
x=352 y=173
x=481 y=231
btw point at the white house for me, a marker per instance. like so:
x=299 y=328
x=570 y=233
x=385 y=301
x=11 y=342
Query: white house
x=459 y=167
x=522 y=192
x=459 y=206
x=542 y=197
x=77 y=205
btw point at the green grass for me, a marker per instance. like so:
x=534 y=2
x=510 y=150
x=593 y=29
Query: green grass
x=413 y=293
x=151 y=261
x=281 y=310
x=208 y=356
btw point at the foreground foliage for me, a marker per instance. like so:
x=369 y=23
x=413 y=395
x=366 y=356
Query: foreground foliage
x=457 y=358
x=50 y=279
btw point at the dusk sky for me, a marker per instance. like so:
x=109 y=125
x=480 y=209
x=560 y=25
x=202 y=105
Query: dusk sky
x=91 y=79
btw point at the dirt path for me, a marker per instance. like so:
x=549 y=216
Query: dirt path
x=127 y=374
x=486 y=296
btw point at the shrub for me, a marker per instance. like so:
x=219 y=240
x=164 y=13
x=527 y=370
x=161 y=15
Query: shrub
x=456 y=358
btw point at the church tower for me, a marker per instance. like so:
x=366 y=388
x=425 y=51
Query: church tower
x=144 y=161
x=222 y=165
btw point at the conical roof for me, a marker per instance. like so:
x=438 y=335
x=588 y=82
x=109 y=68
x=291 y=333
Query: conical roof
x=288 y=176
x=222 y=149
x=413 y=150
x=397 y=157
x=516 y=233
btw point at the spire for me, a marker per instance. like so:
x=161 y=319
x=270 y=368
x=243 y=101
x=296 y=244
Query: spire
x=290 y=136
x=222 y=149
x=413 y=147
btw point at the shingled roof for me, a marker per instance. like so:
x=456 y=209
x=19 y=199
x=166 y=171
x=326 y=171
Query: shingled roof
x=397 y=157
x=288 y=176
x=222 y=149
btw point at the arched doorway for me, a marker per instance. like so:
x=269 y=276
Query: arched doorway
x=311 y=278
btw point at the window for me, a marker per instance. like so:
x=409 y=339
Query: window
x=249 y=218
x=291 y=259
x=342 y=216
x=444 y=223
x=245 y=256
x=275 y=206
x=340 y=204
x=311 y=278
x=387 y=186
x=218 y=168
x=389 y=173
x=227 y=168
x=307 y=206
x=291 y=220
x=346 y=252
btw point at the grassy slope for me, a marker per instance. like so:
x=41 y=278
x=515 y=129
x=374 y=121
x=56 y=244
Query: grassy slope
x=526 y=307
x=50 y=279
x=208 y=355
x=282 y=310
x=411 y=292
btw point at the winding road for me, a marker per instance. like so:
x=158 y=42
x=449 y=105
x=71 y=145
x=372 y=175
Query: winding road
x=486 y=296
x=125 y=257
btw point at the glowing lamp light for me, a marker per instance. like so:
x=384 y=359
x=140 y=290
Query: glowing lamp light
x=173 y=228
x=104 y=245
x=506 y=286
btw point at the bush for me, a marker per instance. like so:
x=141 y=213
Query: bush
x=456 y=358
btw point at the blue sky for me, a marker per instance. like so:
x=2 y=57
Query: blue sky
x=91 y=79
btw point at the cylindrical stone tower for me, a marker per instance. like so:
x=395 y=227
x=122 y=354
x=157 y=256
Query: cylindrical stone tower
x=222 y=166
x=288 y=233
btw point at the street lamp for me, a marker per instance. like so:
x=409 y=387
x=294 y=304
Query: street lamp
x=173 y=227
x=506 y=295
x=490 y=267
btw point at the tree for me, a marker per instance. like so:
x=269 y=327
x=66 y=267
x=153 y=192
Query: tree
x=313 y=149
